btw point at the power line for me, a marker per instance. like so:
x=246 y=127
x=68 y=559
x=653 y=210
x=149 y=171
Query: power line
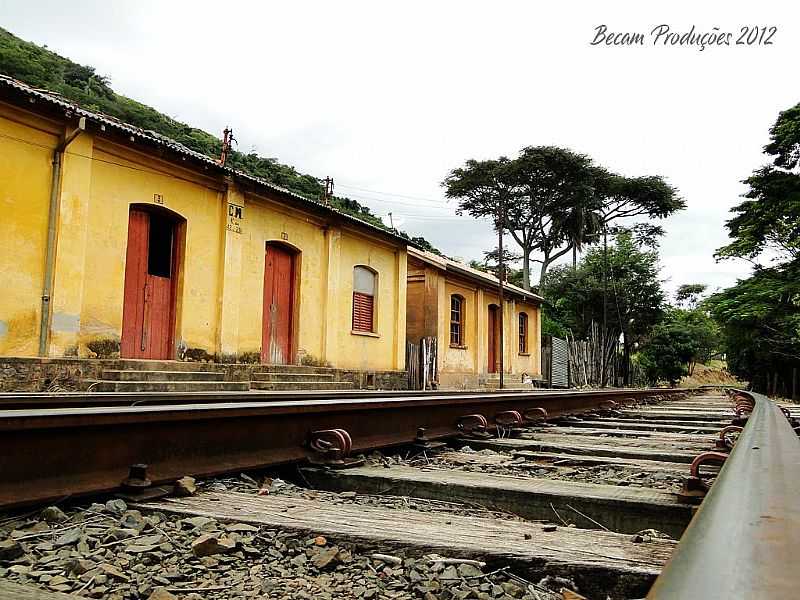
x=394 y=194
x=393 y=202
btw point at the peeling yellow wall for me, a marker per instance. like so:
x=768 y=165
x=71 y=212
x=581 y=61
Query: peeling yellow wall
x=26 y=148
x=120 y=179
x=466 y=366
x=270 y=222
x=386 y=348
x=220 y=289
x=461 y=360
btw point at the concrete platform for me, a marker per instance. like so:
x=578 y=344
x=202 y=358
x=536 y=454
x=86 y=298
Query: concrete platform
x=618 y=508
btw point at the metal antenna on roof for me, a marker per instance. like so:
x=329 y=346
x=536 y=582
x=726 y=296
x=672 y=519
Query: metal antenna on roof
x=227 y=140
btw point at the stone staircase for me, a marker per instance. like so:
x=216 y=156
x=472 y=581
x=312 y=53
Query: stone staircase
x=510 y=382
x=177 y=376
x=288 y=377
x=165 y=376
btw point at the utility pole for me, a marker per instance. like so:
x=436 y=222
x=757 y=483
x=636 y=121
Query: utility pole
x=605 y=306
x=328 y=193
x=227 y=142
x=501 y=218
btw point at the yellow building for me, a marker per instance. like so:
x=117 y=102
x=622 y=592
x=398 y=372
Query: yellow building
x=118 y=241
x=459 y=306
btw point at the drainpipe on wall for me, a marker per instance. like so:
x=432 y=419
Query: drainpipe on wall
x=50 y=252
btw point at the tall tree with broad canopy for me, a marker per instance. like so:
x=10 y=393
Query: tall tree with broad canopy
x=541 y=189
x=621 y=198
x=557 y=200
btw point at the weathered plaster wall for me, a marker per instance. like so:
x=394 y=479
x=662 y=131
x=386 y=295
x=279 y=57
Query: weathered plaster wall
x=26 y=148
x=220 y=285
x=467 y=367
x=385 y=349
x=264 y=222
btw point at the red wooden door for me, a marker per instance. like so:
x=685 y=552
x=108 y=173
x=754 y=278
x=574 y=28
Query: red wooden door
x=148 y=308
x=492 y=340
x=276 y=338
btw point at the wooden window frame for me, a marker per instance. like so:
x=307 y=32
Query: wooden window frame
x=364 y=305
x=458 y=323
x=523 y=322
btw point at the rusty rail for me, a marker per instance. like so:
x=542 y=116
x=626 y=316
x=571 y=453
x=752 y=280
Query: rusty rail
x=54 y=453
x=20 y=400
x=745 y=537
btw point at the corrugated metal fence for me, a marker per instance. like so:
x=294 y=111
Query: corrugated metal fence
x=555 y=361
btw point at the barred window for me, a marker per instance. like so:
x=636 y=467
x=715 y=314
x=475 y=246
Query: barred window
x=523 y=333
x=456 y=320
x=364 y=287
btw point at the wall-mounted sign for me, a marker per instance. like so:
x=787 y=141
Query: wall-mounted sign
x=235 y=216
x=284 y=236
x=158 y=198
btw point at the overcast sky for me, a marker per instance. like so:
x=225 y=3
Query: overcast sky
x=387 y=99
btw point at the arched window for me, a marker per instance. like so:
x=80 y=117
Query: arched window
x=457 y=320
x=523 y=333
x=364 y=287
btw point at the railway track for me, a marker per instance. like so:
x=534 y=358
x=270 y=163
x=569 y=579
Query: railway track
x=587 y=502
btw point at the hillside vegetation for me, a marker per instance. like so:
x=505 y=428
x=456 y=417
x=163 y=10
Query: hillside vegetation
x=42 y=68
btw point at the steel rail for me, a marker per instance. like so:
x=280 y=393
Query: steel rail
x=17 y=400
x=744 y=540
x=48 y=454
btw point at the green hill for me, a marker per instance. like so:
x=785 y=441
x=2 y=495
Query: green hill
x=41 y=68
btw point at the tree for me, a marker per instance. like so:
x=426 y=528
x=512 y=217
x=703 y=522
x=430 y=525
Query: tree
x=768 y=221
x=760 y=316
x=540 y=191
x=689 y=294
x=667 y=353
x=760 y=321
x=557 y=200
x=490 y=264
x=633 y=285
x=621 y=198
x=703 y=332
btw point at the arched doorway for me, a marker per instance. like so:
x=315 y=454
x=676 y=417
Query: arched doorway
x=152 y=266
x=493 y=336
x=278 y=321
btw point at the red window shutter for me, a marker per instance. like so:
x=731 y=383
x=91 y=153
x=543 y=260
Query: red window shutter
x=362 y=312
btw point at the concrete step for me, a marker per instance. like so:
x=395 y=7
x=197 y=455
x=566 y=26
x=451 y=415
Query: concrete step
x=130 y=375
x=494 y=384
x=168 y=386
x=301 y=385
x=287 y=377
x=268 y=368
x=131 y=364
